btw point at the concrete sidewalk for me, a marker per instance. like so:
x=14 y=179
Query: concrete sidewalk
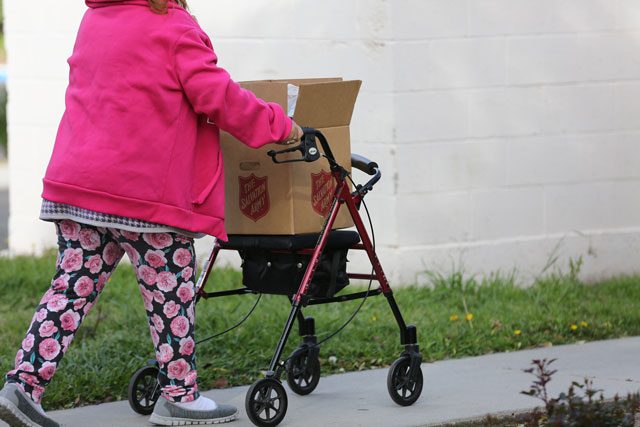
x=454 y=389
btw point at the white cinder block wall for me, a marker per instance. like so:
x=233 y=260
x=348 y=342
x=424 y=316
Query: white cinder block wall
x=507 y=130
x=516 y=134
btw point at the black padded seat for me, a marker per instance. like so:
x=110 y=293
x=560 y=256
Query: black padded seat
x=338 y=239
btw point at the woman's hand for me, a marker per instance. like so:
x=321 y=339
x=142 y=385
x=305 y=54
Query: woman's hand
x=295 y=136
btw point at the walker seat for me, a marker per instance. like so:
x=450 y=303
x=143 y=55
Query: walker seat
x=276 y=264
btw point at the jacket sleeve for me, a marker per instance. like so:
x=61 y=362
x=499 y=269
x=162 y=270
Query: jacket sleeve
x=212 y=92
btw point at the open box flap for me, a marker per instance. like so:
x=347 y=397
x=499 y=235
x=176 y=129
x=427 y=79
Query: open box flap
x=296 y=82
x=328 y=104
x=300 y=82
x=322 y=102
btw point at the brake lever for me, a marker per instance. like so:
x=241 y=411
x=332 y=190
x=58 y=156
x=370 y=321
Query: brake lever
x=273 y=153
x=307 y=148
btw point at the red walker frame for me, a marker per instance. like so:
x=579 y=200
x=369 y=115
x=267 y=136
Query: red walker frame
x=410 y=372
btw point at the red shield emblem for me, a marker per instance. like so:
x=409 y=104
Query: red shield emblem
x=253 y=196
x=322 y=188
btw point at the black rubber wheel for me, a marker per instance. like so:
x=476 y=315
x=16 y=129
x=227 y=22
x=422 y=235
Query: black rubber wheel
x=266 y=402
x=144 y=390
x=402 y=389
x=303 y=372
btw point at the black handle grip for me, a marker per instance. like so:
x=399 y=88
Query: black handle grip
x=367 y=166
x=308 y=149
x=362 y=163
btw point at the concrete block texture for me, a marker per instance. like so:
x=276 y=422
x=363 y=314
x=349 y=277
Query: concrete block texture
x=553 y=159
x=627 y=14
x=419 y=19
x=507 y=111
x=508 y=213
x=592 y=206
x=430 y=115
x=540 y=17
x=469 y=62
x=572 y=158
x=501 y=126
x=627 y=107
x=549 y=110
x=468 y=165
x=436 y=218
x=570 y=58
x=41 y=17
x=249 y=59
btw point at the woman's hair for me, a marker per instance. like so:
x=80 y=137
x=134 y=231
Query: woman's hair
x=160 y=6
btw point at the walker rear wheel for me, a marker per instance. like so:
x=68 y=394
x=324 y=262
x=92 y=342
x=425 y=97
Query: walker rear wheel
x=144 y=390
x=303 y=372
x=266 y=402
x=403 y=387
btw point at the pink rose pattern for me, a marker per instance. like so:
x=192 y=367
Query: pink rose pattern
x=155 y=258
x=186 y=291
x=164 y=263
x=187 y=272
x=84 y=286
x=166 y=281
x=71 y=260
x=89 y=239
x=182 y=257
x=147 y=274
x=158 y=240
x=70 y=230
x=94 y=264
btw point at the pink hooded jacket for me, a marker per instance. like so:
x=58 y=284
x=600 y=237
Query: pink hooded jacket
x=140 y=136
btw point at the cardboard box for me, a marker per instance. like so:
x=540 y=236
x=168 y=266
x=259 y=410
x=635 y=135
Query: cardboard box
x=293 y=198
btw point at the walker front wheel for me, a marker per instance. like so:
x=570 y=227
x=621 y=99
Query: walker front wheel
x=266 y=402
x=303 y=372
x=403 y=385
x=144 y=390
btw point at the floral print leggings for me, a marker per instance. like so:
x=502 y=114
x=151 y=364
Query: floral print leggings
x=165 y=267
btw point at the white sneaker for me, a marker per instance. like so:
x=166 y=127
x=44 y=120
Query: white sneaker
x=168 y=413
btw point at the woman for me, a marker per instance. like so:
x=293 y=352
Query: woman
x=137 y=168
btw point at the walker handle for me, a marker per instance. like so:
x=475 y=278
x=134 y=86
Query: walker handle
x=307 y=147
x=362 y=163
x=370 y=168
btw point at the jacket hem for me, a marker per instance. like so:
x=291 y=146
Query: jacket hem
x=144 y=210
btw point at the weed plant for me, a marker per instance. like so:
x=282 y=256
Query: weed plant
x=581 y=406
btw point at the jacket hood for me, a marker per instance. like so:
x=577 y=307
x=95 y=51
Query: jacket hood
x=103 y=3
x=94 y=4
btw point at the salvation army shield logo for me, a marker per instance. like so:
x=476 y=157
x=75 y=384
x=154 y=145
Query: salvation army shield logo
x=323 y=186
x=253 y=196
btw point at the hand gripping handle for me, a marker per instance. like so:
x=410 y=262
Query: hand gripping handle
x=308 y=149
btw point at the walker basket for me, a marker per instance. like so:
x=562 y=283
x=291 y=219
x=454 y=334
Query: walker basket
x=276 y=264
x=281 y=273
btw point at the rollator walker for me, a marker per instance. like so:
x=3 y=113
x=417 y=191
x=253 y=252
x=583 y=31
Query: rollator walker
x=310 y=269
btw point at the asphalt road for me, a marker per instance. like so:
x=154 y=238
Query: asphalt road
x=4 y=218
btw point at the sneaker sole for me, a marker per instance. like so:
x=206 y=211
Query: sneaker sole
x=13 y=416
x=172 y=421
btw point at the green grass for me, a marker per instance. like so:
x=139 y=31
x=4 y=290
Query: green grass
x=114 y=340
